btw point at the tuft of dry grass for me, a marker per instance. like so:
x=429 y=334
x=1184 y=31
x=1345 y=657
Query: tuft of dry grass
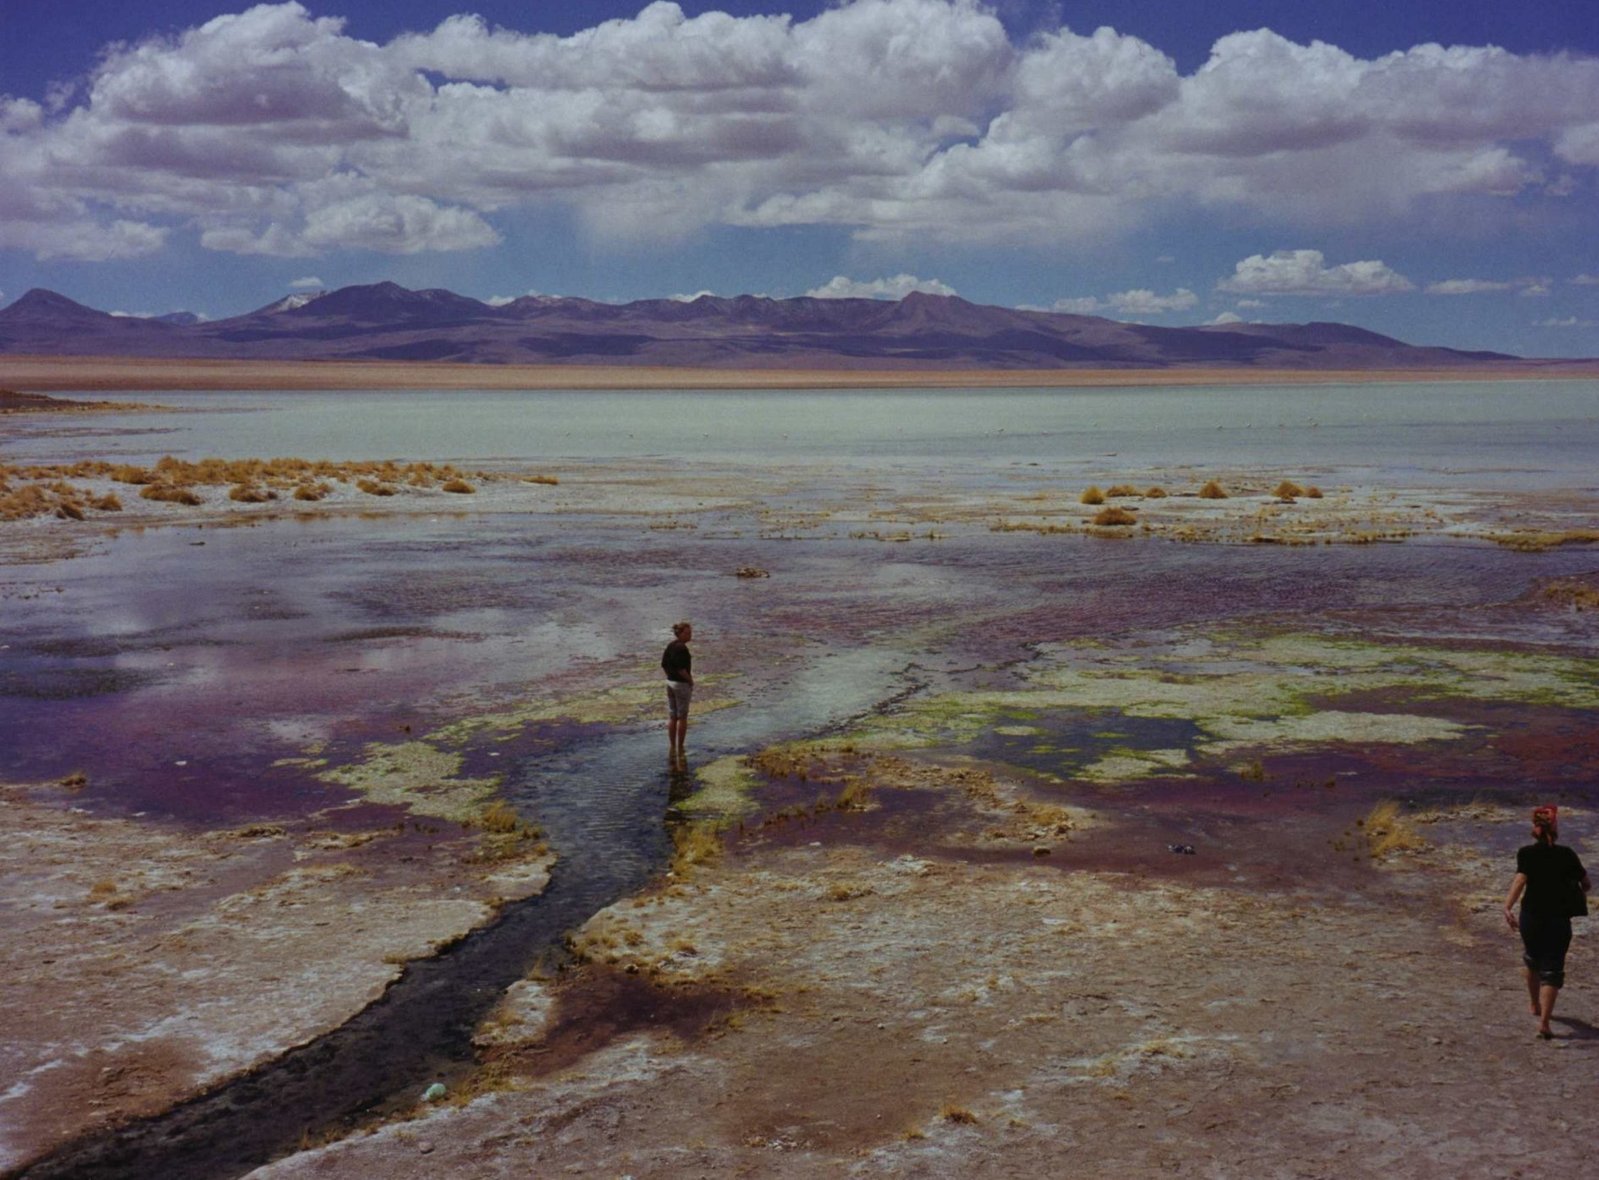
x=695 y=844
x=1122 y=489
x=1389 y=831
x=375 y=487
x=1312 y=492
x=1537 y=542
x=106 y=503
x=545 y=479
x=1212 y=491
x=458 y=486
x=170 y=494
x=854 y=796
x=1092 y=495
x=69 y=510
x=1114 y=516
x=499 y=816
x=1573 y=594
x=951 y=1113
x=245 y=494
x=1155 y=493
x=1288 y=490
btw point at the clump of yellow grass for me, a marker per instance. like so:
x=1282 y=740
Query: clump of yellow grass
x=499 y=816
x=457 y=485
x=1288 y=490
x=1114 y=516
x=1155 y=493
x=1092 y=495
x=1212 y=491
x=1573 y=594
x=1389 y=831
x=170 y=494
x=1122 y=489
x=374 y=487
x=695 y=844
x=1312 y=492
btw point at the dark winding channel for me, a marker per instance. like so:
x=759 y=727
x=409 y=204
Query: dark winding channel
x=603 y=802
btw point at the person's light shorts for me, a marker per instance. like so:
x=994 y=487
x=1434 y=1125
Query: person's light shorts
x=678 y=693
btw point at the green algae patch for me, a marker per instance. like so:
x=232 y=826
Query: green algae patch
x=1125 y=765
x=725 y=787
x=624 y=704
x=1231 y=734
x=416 y=776
x=1087 y=709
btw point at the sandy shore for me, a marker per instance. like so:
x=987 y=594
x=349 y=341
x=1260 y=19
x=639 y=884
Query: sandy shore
x=51 y=374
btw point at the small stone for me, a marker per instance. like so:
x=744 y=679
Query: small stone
x=1042 y=850
x=424 y=1147
x=434 y=1092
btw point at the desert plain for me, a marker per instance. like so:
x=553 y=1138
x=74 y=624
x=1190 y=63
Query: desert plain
x=1018 y=836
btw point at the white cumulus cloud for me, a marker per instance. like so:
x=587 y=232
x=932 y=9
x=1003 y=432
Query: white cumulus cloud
x=274 y=131
x=1305 y=272
x=843 y=287
x=308 y=283
x=1468 y=286
x=1078 y=305
x=1142 y=302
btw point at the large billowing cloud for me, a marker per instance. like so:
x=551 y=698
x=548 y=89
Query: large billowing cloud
x=275 y=132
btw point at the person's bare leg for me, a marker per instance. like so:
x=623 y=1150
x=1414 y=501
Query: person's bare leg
x=682 y=735
x=1531 y=977
x=672 y=740
x=1546 y=1009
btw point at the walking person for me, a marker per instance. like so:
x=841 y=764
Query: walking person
x=1552 y=886
x=678 y=664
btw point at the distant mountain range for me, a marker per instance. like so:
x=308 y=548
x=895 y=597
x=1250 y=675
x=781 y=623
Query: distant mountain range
x=384 y=321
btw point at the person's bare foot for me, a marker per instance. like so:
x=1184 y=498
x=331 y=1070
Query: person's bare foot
x=1545 y=1034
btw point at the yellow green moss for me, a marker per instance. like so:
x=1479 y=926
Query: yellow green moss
x=417 y=776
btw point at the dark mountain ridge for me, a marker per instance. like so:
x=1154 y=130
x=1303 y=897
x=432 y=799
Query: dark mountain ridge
x=385 y=321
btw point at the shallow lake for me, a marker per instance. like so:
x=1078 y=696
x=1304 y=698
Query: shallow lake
x=176 y=665
x=1522 y=433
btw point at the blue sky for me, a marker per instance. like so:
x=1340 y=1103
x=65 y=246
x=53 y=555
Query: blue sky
x=1423 y=168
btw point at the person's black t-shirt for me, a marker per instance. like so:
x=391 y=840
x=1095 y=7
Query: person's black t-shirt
x=1550 y=869
x=677 y=661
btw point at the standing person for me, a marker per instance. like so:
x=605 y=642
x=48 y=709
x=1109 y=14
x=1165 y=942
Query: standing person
x=678 y=663
x=1550 y=883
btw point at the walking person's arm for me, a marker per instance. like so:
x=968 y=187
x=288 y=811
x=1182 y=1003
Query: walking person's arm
x=1518 y=885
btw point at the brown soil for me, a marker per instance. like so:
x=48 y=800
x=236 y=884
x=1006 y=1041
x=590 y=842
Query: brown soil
x=49 y=373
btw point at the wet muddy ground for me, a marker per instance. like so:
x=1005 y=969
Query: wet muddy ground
x=913 y=907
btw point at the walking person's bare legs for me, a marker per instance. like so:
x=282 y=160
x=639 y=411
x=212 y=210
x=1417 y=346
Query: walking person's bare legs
x=1546 y=1009
x=1531 y=977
